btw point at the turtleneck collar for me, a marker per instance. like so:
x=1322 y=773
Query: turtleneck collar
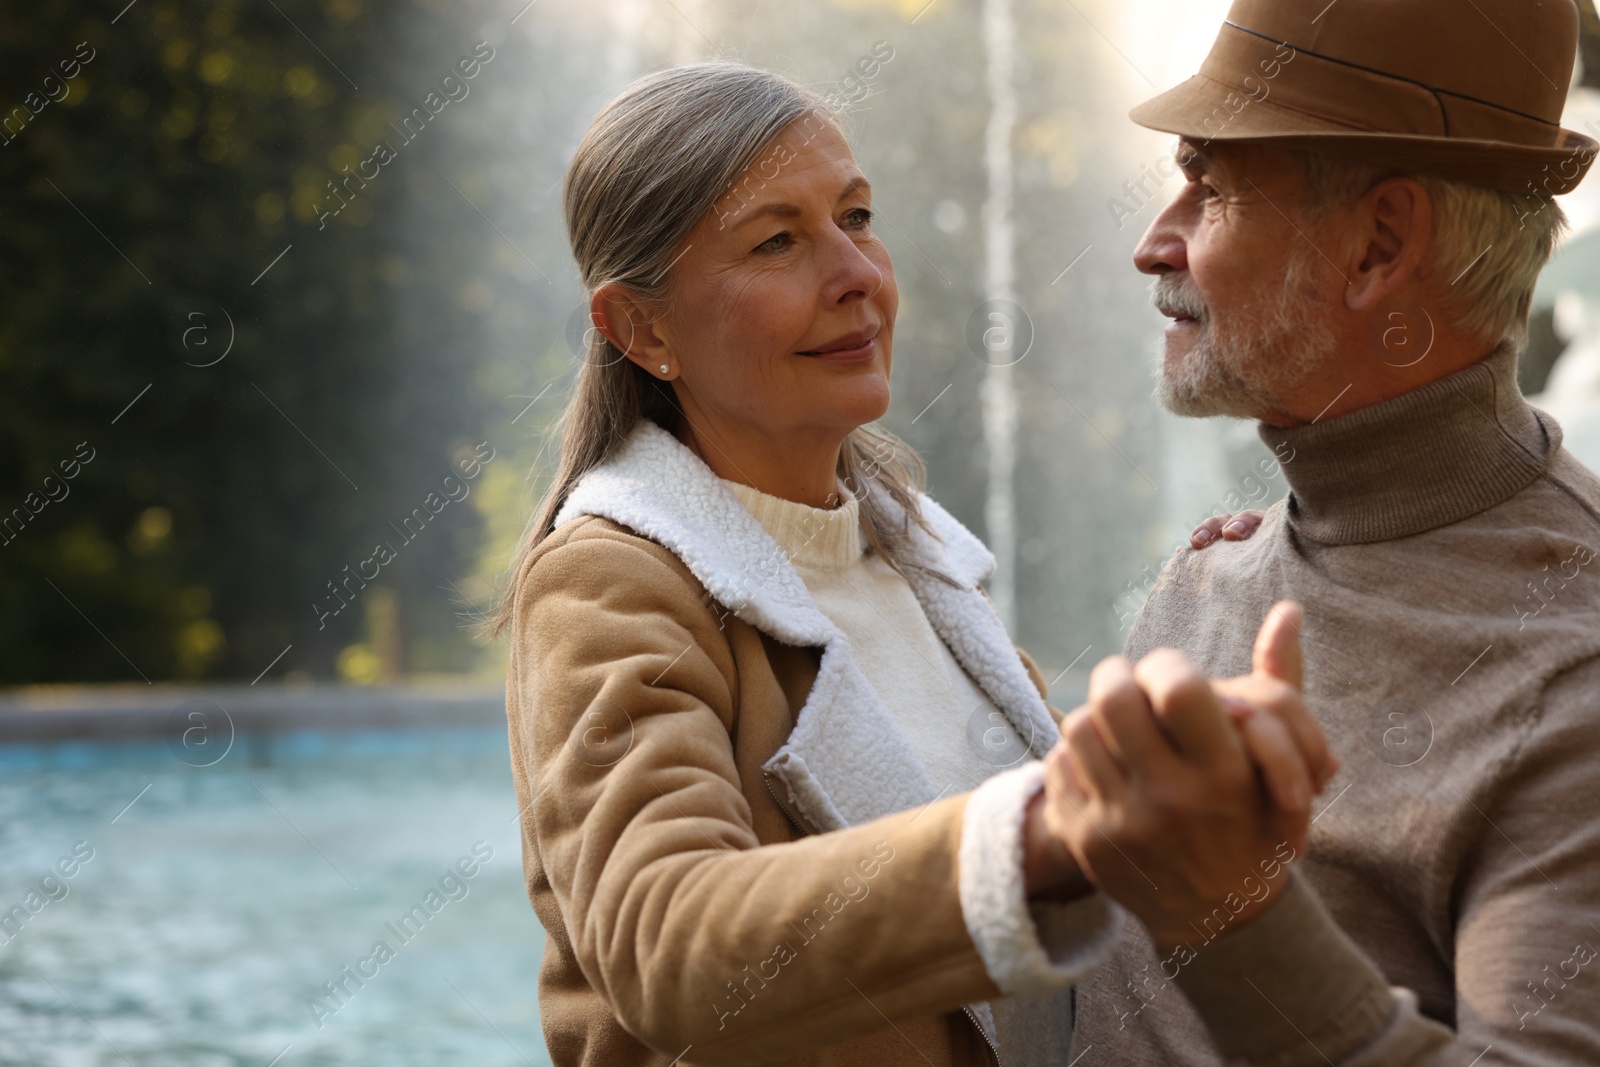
x=1416 y=462
x=822 y=538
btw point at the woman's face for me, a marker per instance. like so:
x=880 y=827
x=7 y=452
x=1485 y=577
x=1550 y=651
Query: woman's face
x=781 y=319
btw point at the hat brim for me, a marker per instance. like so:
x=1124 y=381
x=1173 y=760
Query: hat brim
x=1192 y=109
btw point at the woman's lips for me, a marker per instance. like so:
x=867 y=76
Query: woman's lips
x=859 y=354
x=858 y=351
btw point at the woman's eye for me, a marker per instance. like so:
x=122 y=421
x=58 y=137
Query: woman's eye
x=858 y=218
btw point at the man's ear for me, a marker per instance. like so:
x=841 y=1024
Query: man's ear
x=628 y=321
x=1395 y=231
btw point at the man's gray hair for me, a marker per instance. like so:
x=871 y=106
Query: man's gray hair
x=1488 y=245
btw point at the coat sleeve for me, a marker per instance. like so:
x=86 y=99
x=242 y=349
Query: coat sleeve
x=1528 y=927
x=692 y=932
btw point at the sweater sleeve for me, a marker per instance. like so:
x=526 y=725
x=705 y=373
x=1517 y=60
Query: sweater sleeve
x=1292 y=989
x=693 y=932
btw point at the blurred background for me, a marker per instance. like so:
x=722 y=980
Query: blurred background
x=268 y=281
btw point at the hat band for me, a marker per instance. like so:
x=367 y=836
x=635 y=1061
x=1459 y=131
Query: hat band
x=1348 y=95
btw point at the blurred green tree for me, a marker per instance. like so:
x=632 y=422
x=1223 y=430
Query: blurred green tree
x=160 y=211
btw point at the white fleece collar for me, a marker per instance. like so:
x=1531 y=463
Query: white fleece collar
x=846 y=760
x=657 y=487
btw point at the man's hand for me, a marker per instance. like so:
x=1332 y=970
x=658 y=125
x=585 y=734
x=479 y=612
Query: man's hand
x=1156 y=793
x=1283 y=739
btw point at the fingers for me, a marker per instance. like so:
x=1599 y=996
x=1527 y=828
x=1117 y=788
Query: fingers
x=1238 y=708
x=1208 y=532
x=1109 y=675
x=1094 y=770
x=1226 y=528
x=1279 y=662
x=1064 y=815
x=1059 y=774
x=1242 y=525
x=1124 y=718
x=1277 y=650
x=1185 y=704
x=1268 y=696
x=1280 y=762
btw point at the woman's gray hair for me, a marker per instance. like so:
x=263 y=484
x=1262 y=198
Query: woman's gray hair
x=1505 y=239
x=651 y=166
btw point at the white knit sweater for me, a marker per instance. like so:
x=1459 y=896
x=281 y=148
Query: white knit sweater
x=957 y=732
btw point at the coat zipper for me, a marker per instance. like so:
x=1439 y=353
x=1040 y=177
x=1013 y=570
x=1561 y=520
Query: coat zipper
x=800 y=824
x=982 y=1033
x=766 y=778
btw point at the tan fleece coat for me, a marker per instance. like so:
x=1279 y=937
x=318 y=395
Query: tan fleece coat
x=663 y=731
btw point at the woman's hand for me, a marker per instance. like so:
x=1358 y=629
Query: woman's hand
x=1048 y=867
x=1225 y=527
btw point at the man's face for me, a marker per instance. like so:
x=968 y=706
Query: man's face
x=1247 y=290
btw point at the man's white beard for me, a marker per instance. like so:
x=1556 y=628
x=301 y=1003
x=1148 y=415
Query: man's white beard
x=1244 y=366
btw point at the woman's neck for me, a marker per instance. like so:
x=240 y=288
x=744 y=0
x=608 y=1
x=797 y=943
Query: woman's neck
x=803 y=470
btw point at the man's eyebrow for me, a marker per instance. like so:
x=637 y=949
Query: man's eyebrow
x=789 y=211
x=1191 y=156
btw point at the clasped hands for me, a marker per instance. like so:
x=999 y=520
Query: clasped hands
x=1170 y=790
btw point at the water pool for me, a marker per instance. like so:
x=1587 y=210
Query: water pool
x=219 y=900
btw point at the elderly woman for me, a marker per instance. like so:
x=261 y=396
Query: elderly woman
x=757 y=697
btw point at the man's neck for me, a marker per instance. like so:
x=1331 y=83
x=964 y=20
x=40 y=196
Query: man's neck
x=1364 y=374
x=1418 y=461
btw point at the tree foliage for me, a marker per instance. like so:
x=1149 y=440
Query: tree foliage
x=165 y=210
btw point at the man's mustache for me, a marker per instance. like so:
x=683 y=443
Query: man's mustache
x=1172 y=294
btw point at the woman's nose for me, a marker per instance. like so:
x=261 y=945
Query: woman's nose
x=853 y=274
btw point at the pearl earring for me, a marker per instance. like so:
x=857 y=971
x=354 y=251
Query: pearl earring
x=666 y=368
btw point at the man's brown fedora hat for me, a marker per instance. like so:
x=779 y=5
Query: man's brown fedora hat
x=1465 y=89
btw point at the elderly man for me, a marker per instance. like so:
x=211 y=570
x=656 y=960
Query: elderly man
x=1351 y=263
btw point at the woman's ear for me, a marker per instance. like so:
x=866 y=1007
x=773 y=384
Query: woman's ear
x=625 y=319
x=1396 y=230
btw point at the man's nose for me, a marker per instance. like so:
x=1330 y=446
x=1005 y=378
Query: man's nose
x=1162 y=249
